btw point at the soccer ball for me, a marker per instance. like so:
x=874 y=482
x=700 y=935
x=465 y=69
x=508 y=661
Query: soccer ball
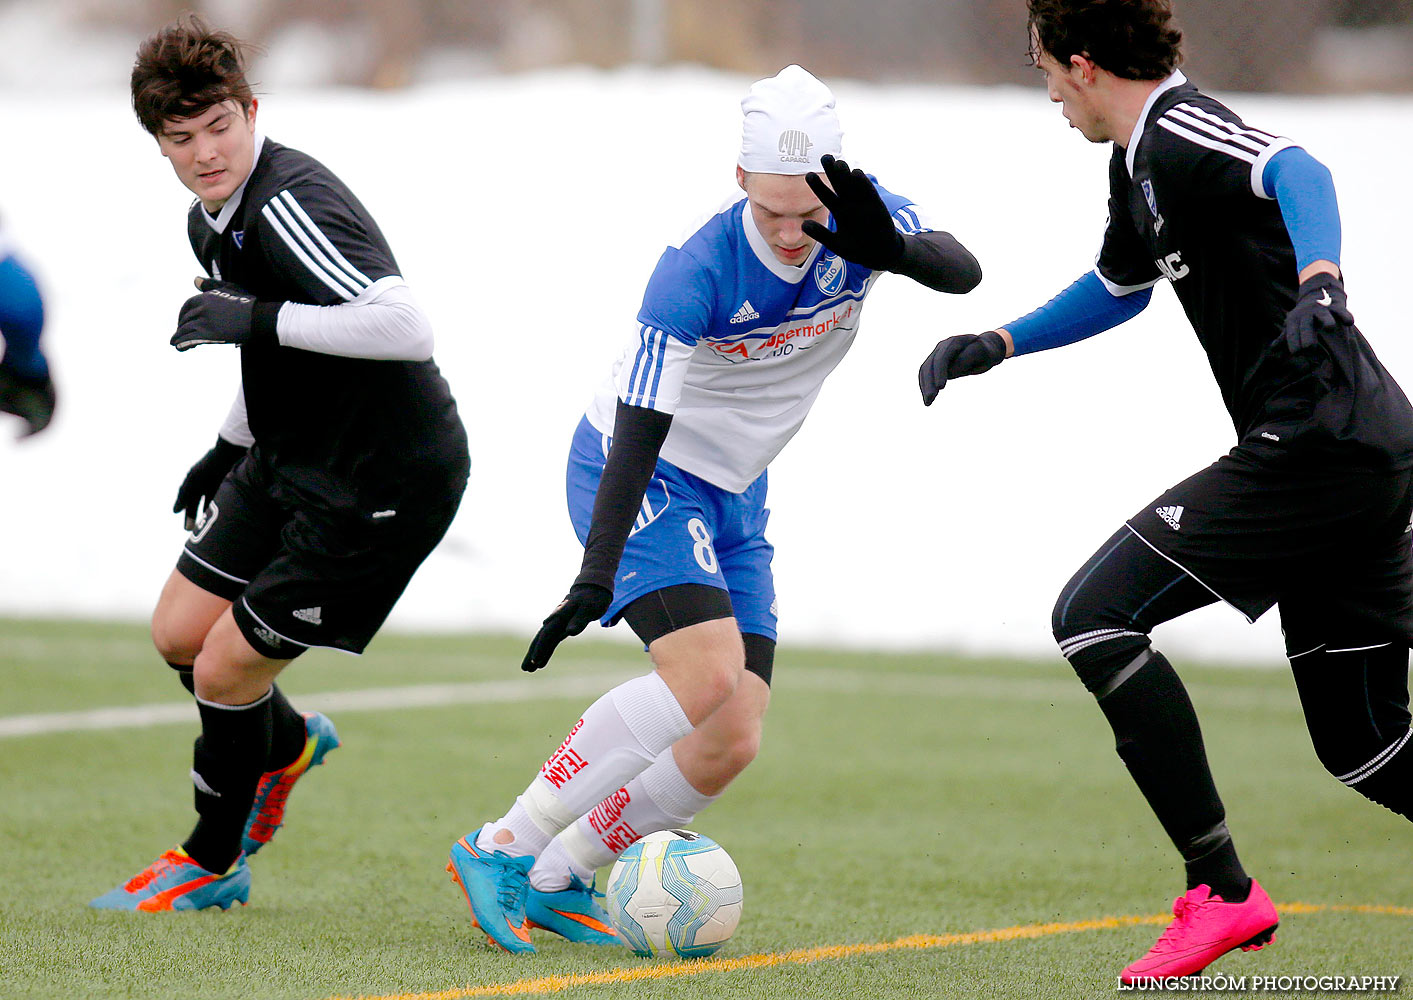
x=675 y=892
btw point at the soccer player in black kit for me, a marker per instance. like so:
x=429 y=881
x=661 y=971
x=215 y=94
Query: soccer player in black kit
x=339 y=468
x=1308 y=512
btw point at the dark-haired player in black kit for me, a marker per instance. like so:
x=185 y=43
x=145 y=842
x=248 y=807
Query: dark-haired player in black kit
x=1309 y=511
x=338 y=470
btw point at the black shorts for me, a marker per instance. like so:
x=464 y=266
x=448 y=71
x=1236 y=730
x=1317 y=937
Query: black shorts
x=1254 y=533
x=302 y=575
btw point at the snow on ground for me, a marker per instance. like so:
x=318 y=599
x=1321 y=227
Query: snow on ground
x=527 y=212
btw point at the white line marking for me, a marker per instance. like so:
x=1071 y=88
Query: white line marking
x=582 y=680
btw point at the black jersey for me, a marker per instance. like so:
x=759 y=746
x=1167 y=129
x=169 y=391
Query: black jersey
x=1187 y=203
x=334 y=430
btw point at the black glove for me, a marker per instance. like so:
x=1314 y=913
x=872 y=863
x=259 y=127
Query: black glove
x=205 y=478
x=1320 y=305
x=28 y=397
x=863 y=233
x=968 y=354
x=223 y=313
x=586 y=602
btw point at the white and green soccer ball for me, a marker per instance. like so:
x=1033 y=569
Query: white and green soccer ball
x=675 y=892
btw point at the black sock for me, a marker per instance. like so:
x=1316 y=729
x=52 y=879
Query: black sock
x=1160 y=741
x=184 y=674
x=229 y=757
x=288 y=734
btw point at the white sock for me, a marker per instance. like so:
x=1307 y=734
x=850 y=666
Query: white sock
x=619 y=736
x=658 y=799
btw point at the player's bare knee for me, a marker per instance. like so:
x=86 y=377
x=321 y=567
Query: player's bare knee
x=741 y=749
x=176 y=641
x=718 y=677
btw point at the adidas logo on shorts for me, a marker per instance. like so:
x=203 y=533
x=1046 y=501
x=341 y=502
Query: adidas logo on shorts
x=1172 y=515
x=746 y=313
x=310 y=615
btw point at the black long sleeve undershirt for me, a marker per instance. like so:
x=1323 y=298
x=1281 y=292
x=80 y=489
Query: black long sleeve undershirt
x=638 y=434
x=938 y=261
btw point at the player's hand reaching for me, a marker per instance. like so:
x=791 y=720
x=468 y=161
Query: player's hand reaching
x=1320 y=306
x=863 y=232
x=205 y=478
x=224 y=313
x=30 y=397
x=967 y=354
x=585 y=603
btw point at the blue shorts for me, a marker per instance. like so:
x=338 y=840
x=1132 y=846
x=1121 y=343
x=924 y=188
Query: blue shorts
x=688 y=531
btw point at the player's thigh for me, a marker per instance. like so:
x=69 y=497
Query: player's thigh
x=1125 y=585
x=1253 y=530
x=1352 y=680
x=335 y=578
x=1368 y=579
x=701 y=665
x=236 y=538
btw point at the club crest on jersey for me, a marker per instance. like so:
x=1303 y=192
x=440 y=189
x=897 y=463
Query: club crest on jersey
x=829 y=273
x=1147 y=186
x=239 y=238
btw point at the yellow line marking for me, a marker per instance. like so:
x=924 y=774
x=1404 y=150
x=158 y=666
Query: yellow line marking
x=802 y=956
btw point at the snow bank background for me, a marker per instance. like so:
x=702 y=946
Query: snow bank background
x=527 y=213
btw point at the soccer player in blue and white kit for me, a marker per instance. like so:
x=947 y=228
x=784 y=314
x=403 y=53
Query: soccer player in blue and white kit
x=26 y=389
x=739 y=327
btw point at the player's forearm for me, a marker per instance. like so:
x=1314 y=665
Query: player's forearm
x=1304 y=189
x=638 y=435
x=384 y=323
x=1082 y=310
x=938 y=261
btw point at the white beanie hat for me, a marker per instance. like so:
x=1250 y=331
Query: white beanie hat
x=789 y=124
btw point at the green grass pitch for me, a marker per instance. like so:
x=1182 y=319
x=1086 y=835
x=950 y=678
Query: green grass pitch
x=895 y=795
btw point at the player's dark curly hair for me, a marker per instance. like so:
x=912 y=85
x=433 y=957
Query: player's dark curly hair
x=186 y=68
x=1133 y=39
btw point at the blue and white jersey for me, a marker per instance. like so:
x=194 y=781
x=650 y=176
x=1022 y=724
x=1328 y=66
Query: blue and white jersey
x=736 y=344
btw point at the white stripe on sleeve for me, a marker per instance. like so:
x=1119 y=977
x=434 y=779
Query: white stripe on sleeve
x=1208 y=128
x=332 y=251
x=1207 y=141
x=653 y=373
x=343 y=289
x=1229 y=126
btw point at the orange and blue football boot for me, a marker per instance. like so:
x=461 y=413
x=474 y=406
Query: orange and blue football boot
x=267 y=814
x=495 y=885
x=572 y=913
x=1204 y=928
x=175 y=882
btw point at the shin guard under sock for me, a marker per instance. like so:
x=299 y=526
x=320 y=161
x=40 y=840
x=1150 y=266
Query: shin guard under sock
x=1158 y=737
x=229 y=757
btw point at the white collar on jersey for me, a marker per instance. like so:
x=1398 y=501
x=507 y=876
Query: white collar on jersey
x=1176 y=80
x=785 y=272
x=220 y=222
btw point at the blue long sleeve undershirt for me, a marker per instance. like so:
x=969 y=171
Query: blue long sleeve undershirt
x=1302 y=187
x=21 y=319
x=1082 y=310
